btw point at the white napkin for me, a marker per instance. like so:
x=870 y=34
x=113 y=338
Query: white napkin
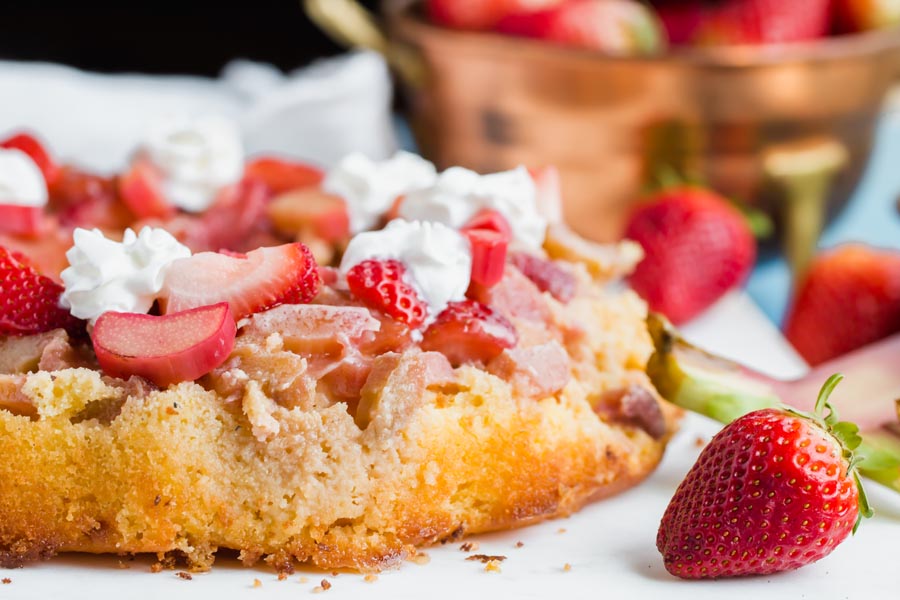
x=318 y=113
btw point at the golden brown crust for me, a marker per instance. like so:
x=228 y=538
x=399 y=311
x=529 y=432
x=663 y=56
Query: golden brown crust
x=190 y=470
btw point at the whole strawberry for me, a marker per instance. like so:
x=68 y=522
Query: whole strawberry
x=775 y=490
x=29 y=301
x=697 y=245
x=725 y=22
x=860 y=284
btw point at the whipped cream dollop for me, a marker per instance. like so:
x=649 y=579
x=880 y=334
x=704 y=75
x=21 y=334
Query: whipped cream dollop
x=21 y=180
x=196 y=157
x=459 y=194
x=437 y=258
x=370 y=188
x=126 y=276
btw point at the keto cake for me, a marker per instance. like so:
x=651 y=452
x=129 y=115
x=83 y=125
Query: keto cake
x=334 y=368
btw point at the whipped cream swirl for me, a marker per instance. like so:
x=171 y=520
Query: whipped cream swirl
x=127 y=276
x=196 y=158
x=437 y=258
x=370 y=188
x=21 y=180
x=459 y=194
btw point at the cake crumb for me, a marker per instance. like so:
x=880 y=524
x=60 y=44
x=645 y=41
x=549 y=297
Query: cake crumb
x=370 y=578
x=469 y=547
x=421 y=558
x=519 y=544
x=561 y=530
x=282 y=576
x=487 y=558
x=700 y=441
x=304 y=579
x=334 y=573
x=326 y=585
x=184 y=575
x=123 y=565
x=6 y=581
x=567 y=567
x=156 y=567
x=257 y=583
x=492 y=566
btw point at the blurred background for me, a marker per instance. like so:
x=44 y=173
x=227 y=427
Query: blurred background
x=164 y=36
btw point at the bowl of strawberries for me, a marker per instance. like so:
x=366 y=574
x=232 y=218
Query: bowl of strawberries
x=617 y=93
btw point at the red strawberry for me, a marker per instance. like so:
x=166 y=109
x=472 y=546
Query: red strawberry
x=698 y=246
x=489 y=235
x=480 y=14
x=141 y=190
x=745 y=21
x=28 y=221
x=850 y=298
x=862 y=15
x=177 y=347
x=285 y=274
x=773 y=491
x=36 y=151
x=469 y=331
x=383 y=285
x=283 y=175
x=613 y=26
x=546 y=275
x=29 y=301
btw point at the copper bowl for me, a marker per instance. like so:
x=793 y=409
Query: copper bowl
x=612 y=125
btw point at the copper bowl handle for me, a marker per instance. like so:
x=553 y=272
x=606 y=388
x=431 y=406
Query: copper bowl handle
x=804 y=171
x=350 y=24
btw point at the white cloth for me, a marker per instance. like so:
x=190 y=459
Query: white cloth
x=319 y=113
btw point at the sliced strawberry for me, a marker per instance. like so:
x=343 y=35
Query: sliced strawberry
x=383 y=285
x=28 y=221
x=36 y=151
x=285 y=274
x=29 y=301
x=283 y=175
x=312 y=211
x=141 y=191
x=546 y=275
x=168 y=349
x=469 y=331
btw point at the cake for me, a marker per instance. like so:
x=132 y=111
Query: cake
x=329 y=368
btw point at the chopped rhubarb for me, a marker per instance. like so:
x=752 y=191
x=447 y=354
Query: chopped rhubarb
x=546 y=275
x=489 y=235
x=285 y=274
x=284 y=175
x=311 y=211
x=469 y=331
x=167 y=349
x=28 y=221
x=141 y=191
x=36 y=151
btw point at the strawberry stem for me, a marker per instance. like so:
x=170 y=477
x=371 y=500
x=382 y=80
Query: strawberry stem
x=713 y=387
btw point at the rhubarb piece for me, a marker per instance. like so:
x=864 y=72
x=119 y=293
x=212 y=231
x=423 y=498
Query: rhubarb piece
x=168 y=349
x=724 y=391
x=311 y=210
x=267 y=277
x=489 y=235
x=546 y=275
x=141 y=191
x=384 y=285
x=27 y=221
x=283 y=175
x=85 y=200
x=469 y=331
x=36 y=151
